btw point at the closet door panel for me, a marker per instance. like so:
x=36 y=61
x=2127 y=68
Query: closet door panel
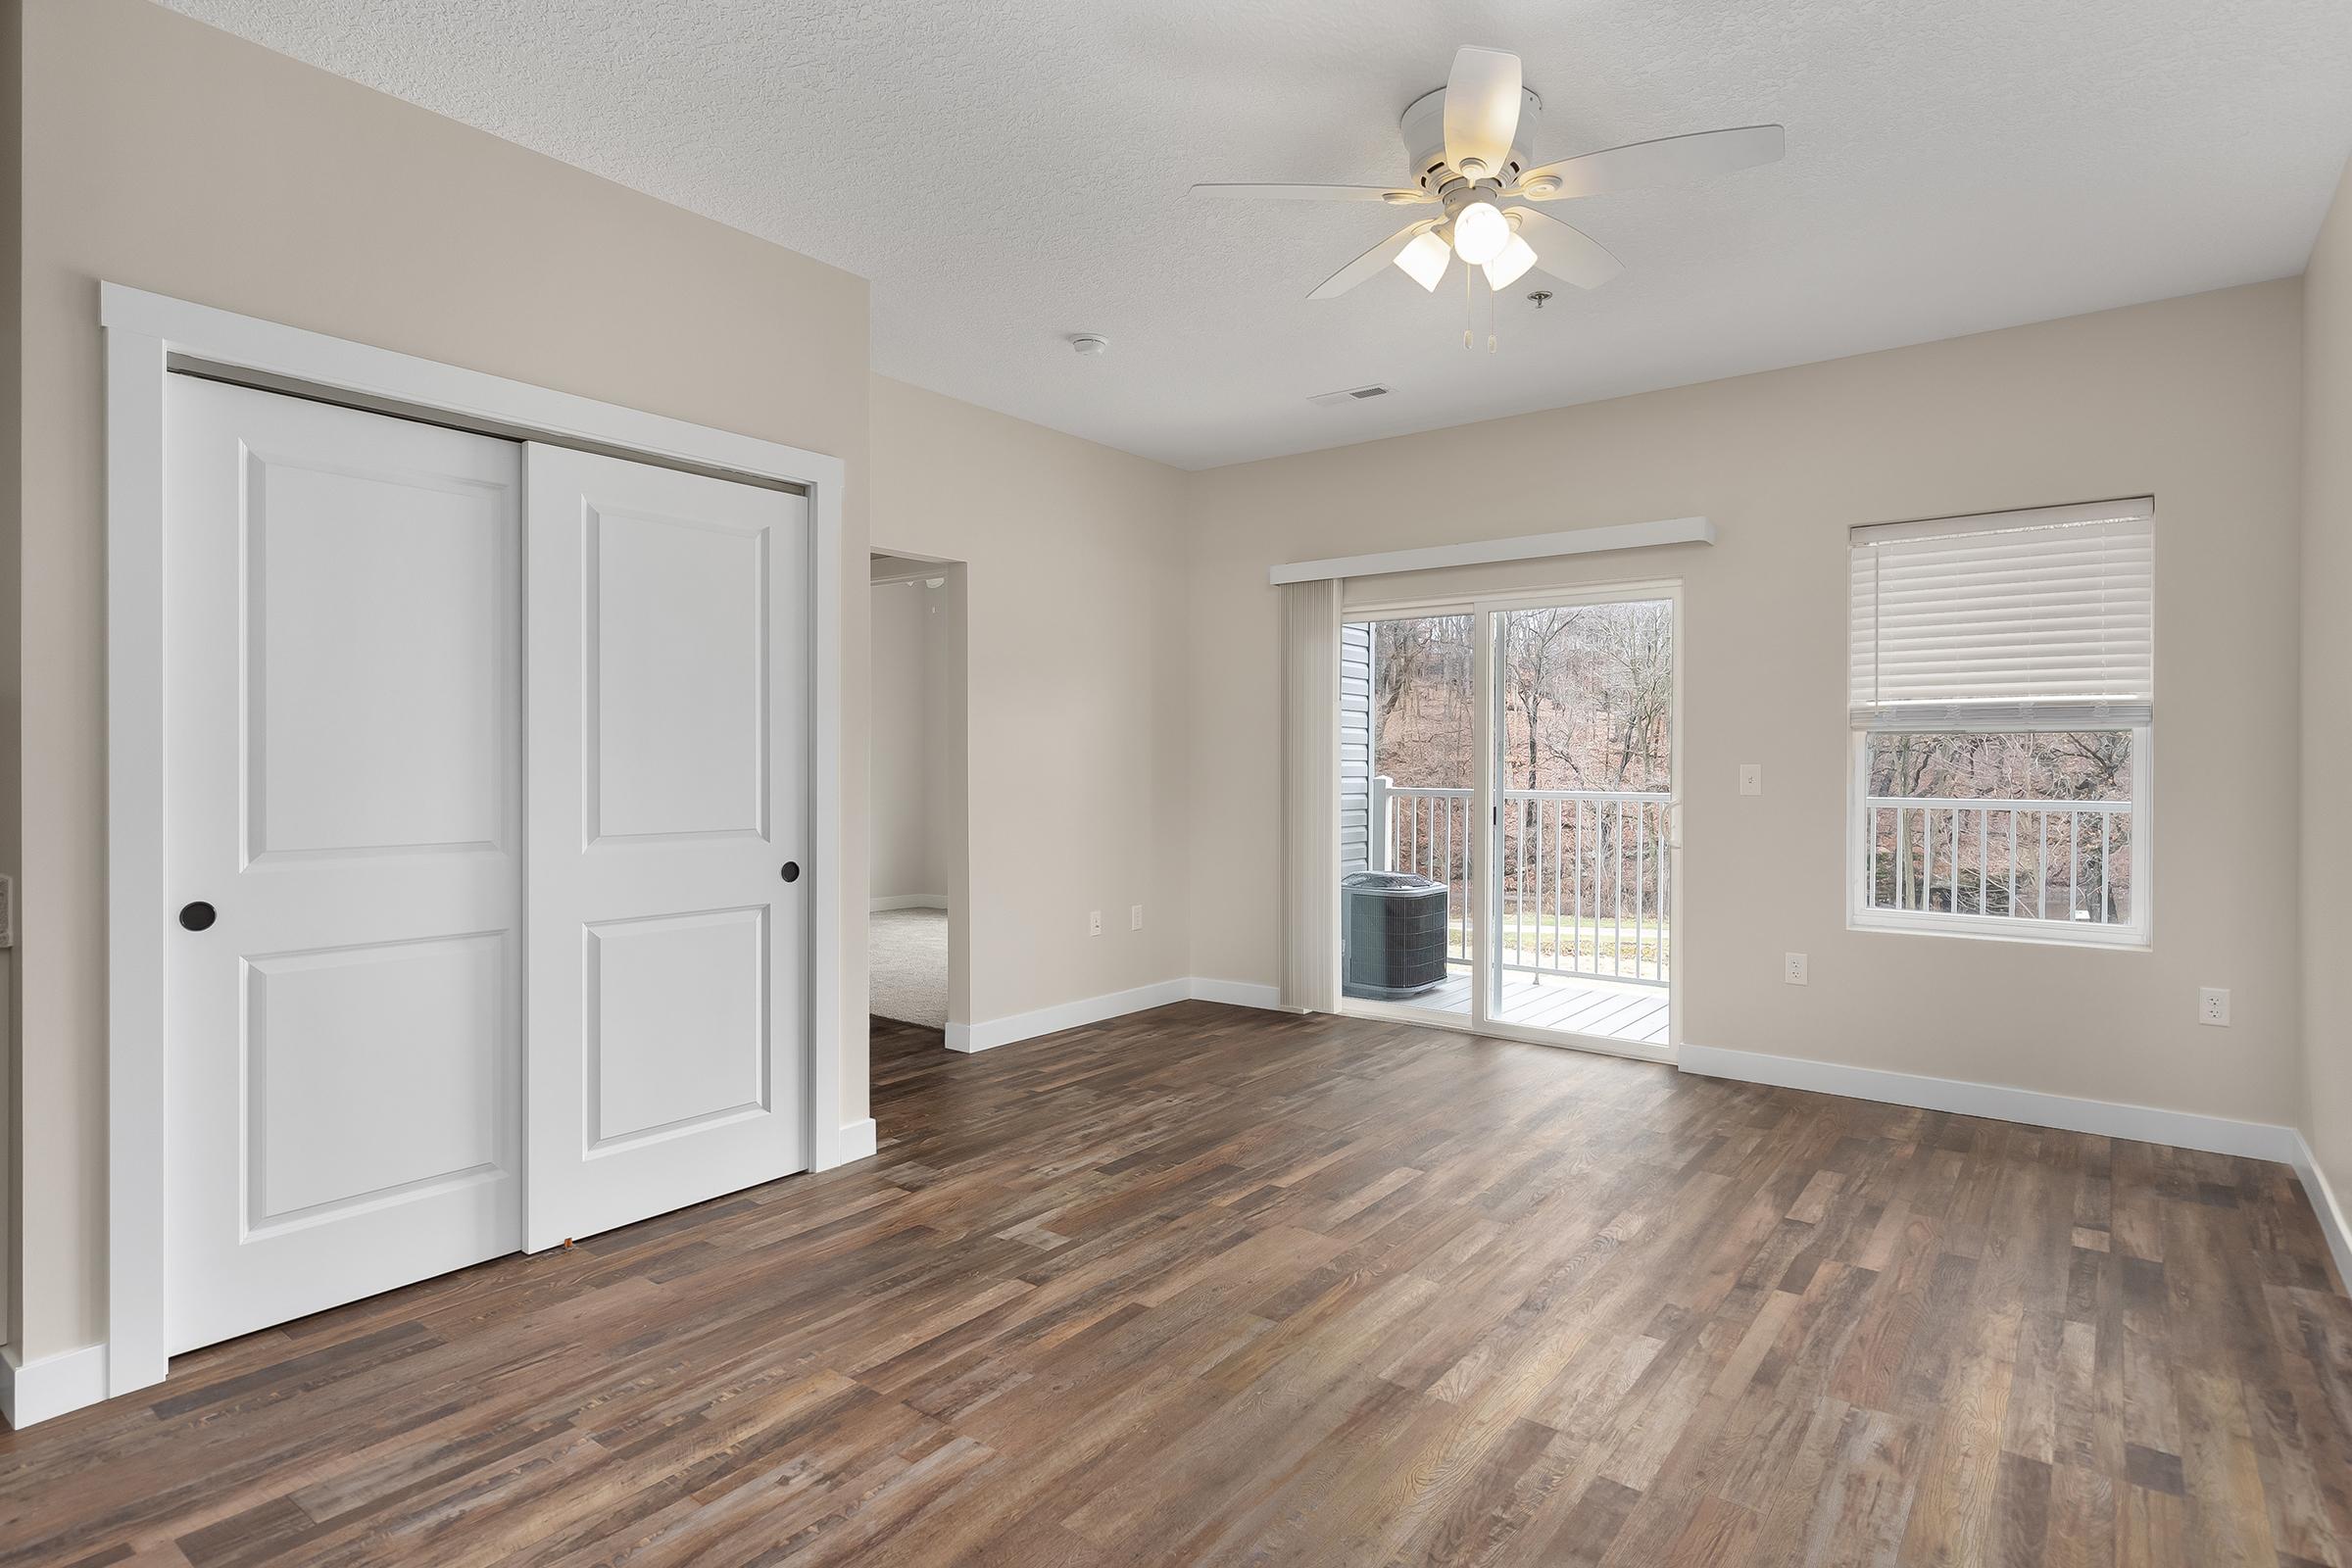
x=343 y=845
x=668 y=673
x=681 y=678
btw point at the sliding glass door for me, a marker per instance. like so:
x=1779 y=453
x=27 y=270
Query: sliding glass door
x=1508 y=817
x=1579 y=738
x=1408 y=823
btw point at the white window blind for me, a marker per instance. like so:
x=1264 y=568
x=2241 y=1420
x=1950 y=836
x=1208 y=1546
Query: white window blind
x=2041 y=620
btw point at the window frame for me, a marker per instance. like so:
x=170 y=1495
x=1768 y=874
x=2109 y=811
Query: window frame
x=2134 y=935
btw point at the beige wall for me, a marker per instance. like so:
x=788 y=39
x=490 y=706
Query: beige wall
x=2327 y=833
x=12 y=152
x=165 y=155
x=908 y=679
x=1075 y=657
x=2193 y=400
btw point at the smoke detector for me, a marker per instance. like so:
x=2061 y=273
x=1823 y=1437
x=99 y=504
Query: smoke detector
x=1090 y=345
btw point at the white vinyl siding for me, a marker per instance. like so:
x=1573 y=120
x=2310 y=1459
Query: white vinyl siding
x=1355 y=746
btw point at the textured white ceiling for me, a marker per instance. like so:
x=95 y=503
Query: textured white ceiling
x=1011 y=173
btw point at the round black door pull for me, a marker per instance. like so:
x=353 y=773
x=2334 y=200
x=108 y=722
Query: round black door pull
x=792 y=870
x=198 y=917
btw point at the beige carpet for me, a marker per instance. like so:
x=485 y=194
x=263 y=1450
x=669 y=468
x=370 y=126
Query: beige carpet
x=906 y=962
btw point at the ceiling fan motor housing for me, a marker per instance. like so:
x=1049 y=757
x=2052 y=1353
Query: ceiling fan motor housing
x=1424 y=127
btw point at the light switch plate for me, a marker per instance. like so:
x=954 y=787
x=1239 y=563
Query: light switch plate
x=1752 y=778
x=1093 y=922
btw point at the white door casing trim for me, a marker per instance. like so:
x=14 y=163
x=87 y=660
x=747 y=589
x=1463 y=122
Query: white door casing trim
x=142 y=333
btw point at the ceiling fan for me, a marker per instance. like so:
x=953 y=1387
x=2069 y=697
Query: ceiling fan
x=1470 y=142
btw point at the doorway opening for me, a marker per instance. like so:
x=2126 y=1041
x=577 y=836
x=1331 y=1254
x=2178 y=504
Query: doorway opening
x=1508 y=817
x=916 y=866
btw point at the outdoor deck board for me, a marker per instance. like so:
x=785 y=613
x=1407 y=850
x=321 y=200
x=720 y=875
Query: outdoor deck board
x=1627 y=1013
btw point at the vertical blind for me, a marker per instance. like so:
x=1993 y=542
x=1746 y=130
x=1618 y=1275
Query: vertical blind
x=2037 y=619
x=1311 y=792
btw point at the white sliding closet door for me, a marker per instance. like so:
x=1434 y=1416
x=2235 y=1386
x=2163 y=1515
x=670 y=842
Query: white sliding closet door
x=668 y=813
x=343 y=838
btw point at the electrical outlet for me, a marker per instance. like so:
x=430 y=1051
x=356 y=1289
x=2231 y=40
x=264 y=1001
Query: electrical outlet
x=1792 y=968
x=1752 y=778
x=1093 y=922
x=2213 y=1005
x=1135 y=917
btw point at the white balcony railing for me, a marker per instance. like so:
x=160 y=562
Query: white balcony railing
x=2064 y=860
x=1586 y=874
x=1427 y=832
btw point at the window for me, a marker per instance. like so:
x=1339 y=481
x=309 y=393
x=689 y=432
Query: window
x=2002 y=704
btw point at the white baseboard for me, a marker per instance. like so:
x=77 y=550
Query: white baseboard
x=2324 y=1203
x=1237 y=993
x=857 y=1140
x=907 y=900
x=972 y=1037
x=2182 y=1129
x=35 y=1391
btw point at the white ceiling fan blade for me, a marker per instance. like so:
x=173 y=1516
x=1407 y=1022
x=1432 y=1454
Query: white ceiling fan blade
x=1390 y=194
x=1655 y=162
x=1370 y=262
x=1482 y=108
x=1568 y=254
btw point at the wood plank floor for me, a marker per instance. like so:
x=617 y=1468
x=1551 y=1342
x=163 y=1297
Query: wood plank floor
x=1209 y=1285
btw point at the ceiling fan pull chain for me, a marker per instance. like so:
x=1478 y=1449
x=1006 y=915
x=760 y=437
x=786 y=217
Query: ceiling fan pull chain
x=1490 y=318
x=1466 y=306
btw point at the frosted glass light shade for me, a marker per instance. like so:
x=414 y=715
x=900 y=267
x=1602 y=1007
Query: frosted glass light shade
x=1511 y=266
x=1423 y=261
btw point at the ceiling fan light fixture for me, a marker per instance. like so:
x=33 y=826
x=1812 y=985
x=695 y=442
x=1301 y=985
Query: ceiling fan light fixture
x=1425 y=260
x=1511 y=266
x=1481 y=233
x=1470 y=147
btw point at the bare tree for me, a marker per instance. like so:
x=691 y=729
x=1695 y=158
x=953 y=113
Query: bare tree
x=1535 y=646
x=1400 y=660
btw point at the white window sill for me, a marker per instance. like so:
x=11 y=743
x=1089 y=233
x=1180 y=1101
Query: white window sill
x=2001 y=928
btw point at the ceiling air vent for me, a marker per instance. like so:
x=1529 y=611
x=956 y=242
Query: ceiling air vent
x=1354 y=394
